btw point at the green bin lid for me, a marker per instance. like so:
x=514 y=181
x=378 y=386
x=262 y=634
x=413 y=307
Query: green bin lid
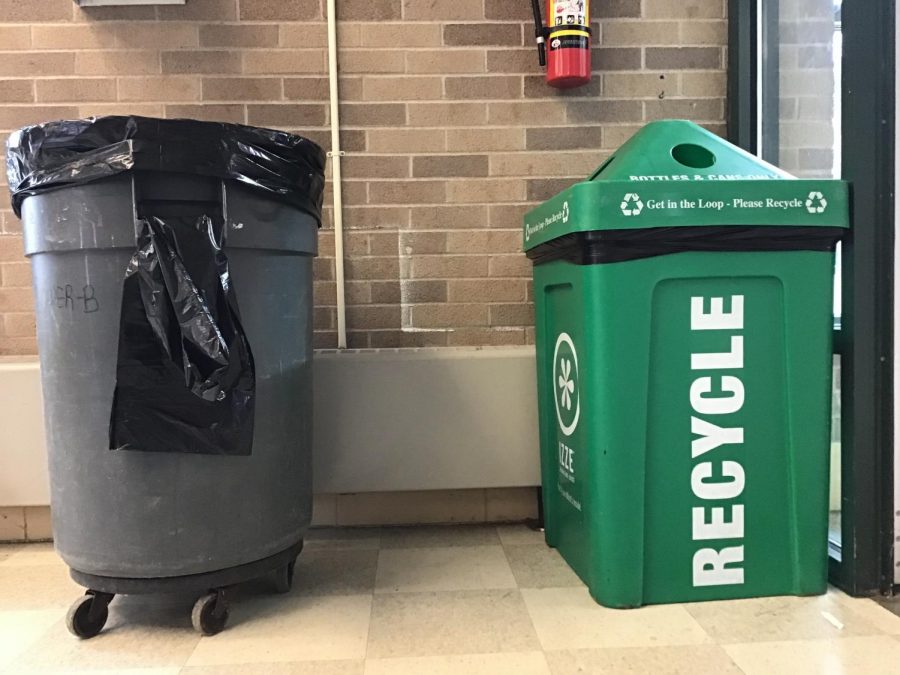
x=674 y=173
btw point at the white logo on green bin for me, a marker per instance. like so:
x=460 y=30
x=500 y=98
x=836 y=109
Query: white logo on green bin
x=565 y=383
x=632 y=204
x=816 y=202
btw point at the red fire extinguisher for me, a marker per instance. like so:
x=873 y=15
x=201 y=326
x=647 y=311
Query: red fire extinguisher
x=568 y=34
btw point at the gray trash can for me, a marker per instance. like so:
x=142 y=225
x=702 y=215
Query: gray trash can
x=194 y=499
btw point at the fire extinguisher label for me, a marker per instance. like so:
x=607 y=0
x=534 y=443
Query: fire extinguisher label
x=569 y=13
x=570 y=40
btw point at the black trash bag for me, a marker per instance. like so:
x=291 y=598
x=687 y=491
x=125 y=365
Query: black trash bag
x=73 y=152
x=185 y=373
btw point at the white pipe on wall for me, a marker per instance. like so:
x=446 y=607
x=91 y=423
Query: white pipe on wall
x=336 y=154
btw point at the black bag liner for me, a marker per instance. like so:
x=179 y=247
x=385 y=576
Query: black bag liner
x=185 y=377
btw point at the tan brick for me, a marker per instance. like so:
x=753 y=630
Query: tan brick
x=507 y=10
x=365 y=217
x=485 y=190
x=161 y=88
x=684 y=58
x=18 y=346
x=510 y=266
x=411 y=88
x=384 y=243
x=15 y=37
x=484 y=241
x=519 y=314
x=396 y=339
x=703 y=84
x=641 y=33
x=191 y=62
x=74 y=90
x=72 y=36
x=438 y=10
x=309 y=35
x=324 y=318
x=280 y=10
x=211 y=113
x=118 y=62
x=9 y=223
x=530 y=112
x=16 y=300
x=697 y=110
x=406 y=34
x=306 y=88
x=605 y=111
x=542 y=189
x=449 y=216
x=545 y=163
x=246 y=35
x=494 y=337
x=412 y=291
x=448 y=315
x=615 y=135
x=704 y=33
x=446 y=114
x=11 y=251
x=35 y=11
x=488 y=87
x=287 y=115
x=485 y=140
x=381 y=292
x=486 y=290
x=19 y=324
x=636 y=85
x=563 y=138
x=447 y=266
x=324 y=340
x=121 y=108
x=157 y=35
x=446 y=166
x=407 y=140
x=407 y=192
x=373 y=115
x=13 y=117
x=373 y=268
x=38 y=64
x=620 y=8
x=202 y=10
x=380 y=316
x=371 y=61
x=133 y=13
x=684 y=9
x=16 y=91
x=508 y=216
x=473 y=34
x=513 y=61
x=15 y=274
x=375 y=166
x=241 y=88
x=420 y=243
x=284 y=61
x=350 y=88
x=445 y=61
x=368 y=10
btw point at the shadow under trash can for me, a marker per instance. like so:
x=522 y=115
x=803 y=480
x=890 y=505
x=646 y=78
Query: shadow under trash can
x=683 y=325
x=172 y=268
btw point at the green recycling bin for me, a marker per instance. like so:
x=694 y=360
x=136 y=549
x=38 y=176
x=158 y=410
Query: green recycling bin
x=683 y=325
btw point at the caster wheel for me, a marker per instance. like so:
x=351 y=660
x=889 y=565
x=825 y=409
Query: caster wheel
x=88 y=614
x=210 y=613
x=284 y=577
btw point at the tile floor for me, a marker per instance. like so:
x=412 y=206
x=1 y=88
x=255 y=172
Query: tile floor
x=476 y=600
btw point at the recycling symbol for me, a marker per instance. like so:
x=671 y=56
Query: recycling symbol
x=632 y=205
x=565 y=212
x=816 y=202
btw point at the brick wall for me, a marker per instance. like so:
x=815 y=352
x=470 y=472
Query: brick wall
x=450 y=133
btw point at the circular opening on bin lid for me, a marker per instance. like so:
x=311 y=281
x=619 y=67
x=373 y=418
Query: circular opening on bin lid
x=694 y=156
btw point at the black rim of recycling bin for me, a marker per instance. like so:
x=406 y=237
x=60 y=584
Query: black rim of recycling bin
x=187 y=583
x=611 y=246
